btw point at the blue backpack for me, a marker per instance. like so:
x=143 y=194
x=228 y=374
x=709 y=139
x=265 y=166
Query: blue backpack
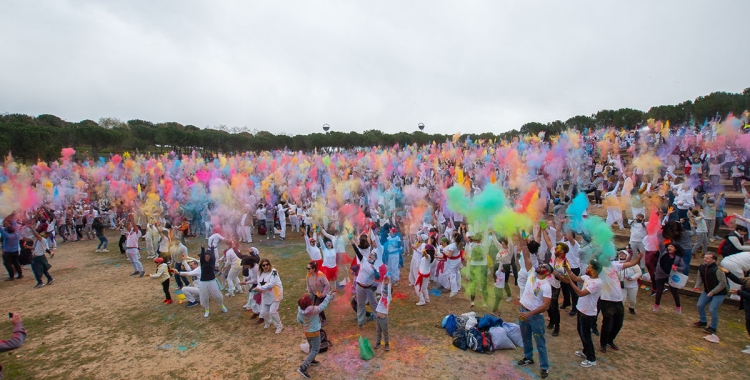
x=450 y=324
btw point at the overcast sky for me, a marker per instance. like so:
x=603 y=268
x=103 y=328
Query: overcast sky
x=292 y=66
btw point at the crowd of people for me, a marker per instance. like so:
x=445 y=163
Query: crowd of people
x=457 y=216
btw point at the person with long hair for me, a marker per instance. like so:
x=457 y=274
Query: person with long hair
x=317 y=286
x=272 y=292
x=670 y=259
x=308 y=314
x=423 y=275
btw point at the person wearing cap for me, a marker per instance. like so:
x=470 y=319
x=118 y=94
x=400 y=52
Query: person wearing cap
x=162 y=274
x=423 y=274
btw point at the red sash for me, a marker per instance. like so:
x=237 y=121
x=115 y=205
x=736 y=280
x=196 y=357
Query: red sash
x=420 y=278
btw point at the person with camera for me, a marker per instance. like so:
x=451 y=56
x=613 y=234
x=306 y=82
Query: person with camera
x=19 y=336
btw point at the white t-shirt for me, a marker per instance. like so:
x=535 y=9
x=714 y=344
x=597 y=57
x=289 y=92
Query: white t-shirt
x=610 y=276
x=535 y=292
x=587 y=304
x=523 y=274
x=573 y=255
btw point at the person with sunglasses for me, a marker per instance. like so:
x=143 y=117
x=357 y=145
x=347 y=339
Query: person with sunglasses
x=317 y=286
x=272 y=292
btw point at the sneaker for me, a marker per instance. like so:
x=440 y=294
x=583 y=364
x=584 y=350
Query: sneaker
x=303 y=373
x=746 y=351
x=678 y=310
x=142 y=274
x=573 y=313
x=98 y=250
x=450 y=296
x=709 y=330
x=192 y=304
x=587 y=364
x=314 y=363
x=205 y=315
x=266 y=325
x=279 y=328
x=387 y=347
x=472 y=304
x=656 y=308
x=39 y=285
x=544 y=374
x=613 y=346
x=165 y=301
x=580 y=354
x=376 y=346
x=556 y=331
x=632 y=311
x=421 y=303
x=224 y=309
x=509 y=299
x=603 y=349
x=700 y=324
x=526 y=361
x=50 y=281
x=260 y=320
x=550 y=326
x=135 y=273
x=595 y=331
x=168 y=302
x=564 y=306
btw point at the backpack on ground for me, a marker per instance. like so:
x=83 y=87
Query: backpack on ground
x=450 y=324
x=474 y=340
x=262 y=230
x=459 y=339
x=487 y=346
x=324 y=342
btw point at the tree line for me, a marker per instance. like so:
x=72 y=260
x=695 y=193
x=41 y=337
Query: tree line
x=42 y=137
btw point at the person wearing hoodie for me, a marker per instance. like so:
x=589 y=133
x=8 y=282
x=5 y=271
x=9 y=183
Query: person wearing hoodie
x=308 y=315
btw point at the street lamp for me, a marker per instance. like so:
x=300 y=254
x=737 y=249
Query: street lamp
x=326 y=127
x=421 y=126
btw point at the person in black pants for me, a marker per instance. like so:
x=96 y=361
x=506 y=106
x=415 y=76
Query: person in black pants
x=744 y=293
x=11 y=237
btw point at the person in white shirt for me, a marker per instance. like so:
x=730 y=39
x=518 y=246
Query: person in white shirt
x=381 y=311
x=213 y=242
x=281 y=214
x=272 y=292
x=416 y=258
x=423 y=275
x=233 y=271
x=536 y=298
x=250 y=265
x=629 y=278
x=246 y=226
x=587 y=308
x=294 y=219
x=610 y=303
x=368 y=273
x=131 y=249
x=452 y=265
x=192 y=293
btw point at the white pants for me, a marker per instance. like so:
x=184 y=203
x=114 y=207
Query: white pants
x=191 y=293
x=135 y=259
x=424 y=294
x=453 y=271
x=294 y=221
x=210 y=288
x=632 y=295
x=247 y=234
x=251 y=304
x=414 y=269
x=233 y=279
x=614 y=215
x=393 y=268
x=282 y=228
x=271 y=311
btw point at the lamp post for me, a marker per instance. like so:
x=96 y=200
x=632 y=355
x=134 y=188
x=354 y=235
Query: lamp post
x=326 y=127
x=421 y=126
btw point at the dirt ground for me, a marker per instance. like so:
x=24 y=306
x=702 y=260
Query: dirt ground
x=97 y=322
